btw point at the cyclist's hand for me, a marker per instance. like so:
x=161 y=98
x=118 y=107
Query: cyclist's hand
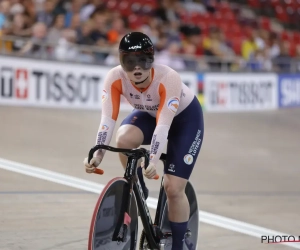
x=150 y=172
x=94 y=163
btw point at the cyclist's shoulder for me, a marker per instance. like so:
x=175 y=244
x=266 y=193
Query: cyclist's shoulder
x=115 y=71
x=166 y=74
x=164 y=69
x=115 y=74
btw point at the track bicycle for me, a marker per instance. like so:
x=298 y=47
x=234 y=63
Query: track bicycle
x=114 y=223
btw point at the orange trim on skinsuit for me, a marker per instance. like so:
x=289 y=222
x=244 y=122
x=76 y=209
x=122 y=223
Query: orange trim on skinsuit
x=162 y=94
x=143 y=90
x=116 y=91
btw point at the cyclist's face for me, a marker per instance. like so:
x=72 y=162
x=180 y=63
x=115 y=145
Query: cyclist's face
x=137 y=66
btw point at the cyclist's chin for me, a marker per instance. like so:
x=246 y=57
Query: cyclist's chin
x=139 y=76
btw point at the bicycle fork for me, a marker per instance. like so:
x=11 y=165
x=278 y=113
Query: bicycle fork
x=120 y=233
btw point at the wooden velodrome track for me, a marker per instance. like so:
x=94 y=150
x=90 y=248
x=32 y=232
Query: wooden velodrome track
x=248 y=170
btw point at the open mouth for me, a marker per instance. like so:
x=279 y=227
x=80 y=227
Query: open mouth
x=137 y=74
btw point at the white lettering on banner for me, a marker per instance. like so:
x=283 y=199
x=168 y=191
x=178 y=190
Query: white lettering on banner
x=219 y=93
x=6 y=82
x=250 y=92
x=46 y=84
x=290 y=92
x=30 y=82
x=229 y=92
x=67 y=87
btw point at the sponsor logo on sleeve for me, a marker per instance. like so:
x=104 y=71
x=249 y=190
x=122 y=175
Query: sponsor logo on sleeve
x=173 y=104
x=104 y=95
x=104 y=127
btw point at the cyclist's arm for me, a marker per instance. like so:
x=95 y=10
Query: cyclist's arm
x=170 y=92
x=111 y=96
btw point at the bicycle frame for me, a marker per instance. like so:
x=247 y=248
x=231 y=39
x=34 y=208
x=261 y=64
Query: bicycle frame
x=130 y=175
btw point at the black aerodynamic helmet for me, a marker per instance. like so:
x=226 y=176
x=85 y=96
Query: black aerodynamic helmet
x=135 y=49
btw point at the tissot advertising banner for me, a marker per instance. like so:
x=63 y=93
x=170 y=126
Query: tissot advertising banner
x=28 y=82
x=289 y=90
x=240 y=91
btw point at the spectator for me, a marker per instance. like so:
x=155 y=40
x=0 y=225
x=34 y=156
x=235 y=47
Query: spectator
x=4 y=15
x=34 y=47
x=17 y=8
x=151 y=28
x=162 y=42
x=46 y=15
x=65 y=49
x=20 y=26
x=173 y=32
x=189 y=51
x=96 y=24
x=116 y=31
x=282 y=62
x=76 y=24
x=86 y=33
x=57 y=26
x=273 y=48
x=249 y=45
x=99 y=33
x=89 y=8
x=21 y=29
x=30 y=11
x=170 y=56
x=167 y=10
x=61 y=7
x=216 y=47
x=113 y=58
x=261 y=38
x=75 y=7
x=256 y=61
x=193 y=37
x=259 y=61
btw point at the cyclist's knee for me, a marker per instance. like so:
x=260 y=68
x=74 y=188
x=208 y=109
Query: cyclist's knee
x=174 y=187
x=129 y=136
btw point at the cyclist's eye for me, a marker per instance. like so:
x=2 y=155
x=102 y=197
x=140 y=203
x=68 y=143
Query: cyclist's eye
x=130 y=61
x=143 y=60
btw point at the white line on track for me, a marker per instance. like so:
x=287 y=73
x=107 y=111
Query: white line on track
x=205 y=217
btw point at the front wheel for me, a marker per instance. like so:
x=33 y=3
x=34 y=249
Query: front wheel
x=106 y=217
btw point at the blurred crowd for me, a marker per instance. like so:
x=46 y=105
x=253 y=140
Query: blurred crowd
x=266 y=51
x=66 y=30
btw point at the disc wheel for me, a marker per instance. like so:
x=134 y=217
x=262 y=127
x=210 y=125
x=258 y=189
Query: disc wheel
x=106 y=217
